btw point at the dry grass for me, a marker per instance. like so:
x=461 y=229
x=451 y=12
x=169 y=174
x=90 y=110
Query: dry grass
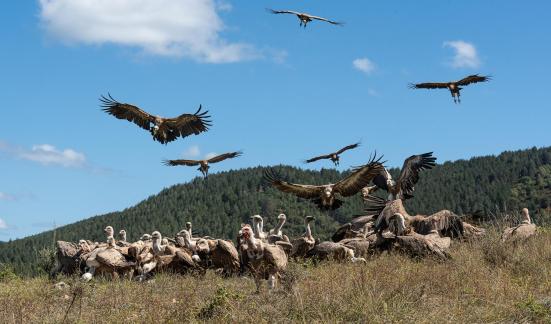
x=486 y=281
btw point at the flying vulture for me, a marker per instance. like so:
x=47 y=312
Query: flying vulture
x=203 y=164
x=163 y=130
x=304 y=17
x=453 y=86
x=409 y=176
x=333 y=156
x=325 y=195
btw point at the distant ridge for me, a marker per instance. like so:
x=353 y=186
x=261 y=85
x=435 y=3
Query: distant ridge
x=219 y=204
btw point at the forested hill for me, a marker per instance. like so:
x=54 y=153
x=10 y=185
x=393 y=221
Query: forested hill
x=218 y=205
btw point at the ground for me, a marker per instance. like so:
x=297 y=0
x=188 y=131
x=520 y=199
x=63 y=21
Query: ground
x=485 y=281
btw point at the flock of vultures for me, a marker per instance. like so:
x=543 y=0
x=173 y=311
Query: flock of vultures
x=265 y=254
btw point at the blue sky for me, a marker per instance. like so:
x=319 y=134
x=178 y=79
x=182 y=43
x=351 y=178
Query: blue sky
x=278 y=92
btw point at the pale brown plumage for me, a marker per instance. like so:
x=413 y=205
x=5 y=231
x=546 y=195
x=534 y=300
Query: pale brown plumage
x=203 y=164
x=218 y=254
x=522 y=231
x=304 y=17
x=453 y=86
x=357 y=227
x=164 y=130
x=334 y=157
x=305 y=243
x=325 y=195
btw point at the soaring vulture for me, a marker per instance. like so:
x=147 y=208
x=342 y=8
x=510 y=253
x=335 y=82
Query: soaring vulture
x=203 y=164
x=163 y=130
x=333 y=156
x=409 y=176
x=304 y=17
x=453 y=86
x=325 y=195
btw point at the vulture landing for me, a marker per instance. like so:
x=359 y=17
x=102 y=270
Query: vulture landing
x=305 y=18
x=163 y=130
x=203 y=164
x=453 y=86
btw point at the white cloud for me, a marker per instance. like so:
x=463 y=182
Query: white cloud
x=46 y=154
x=7 y=197
x=364 y=65
x=191 y=152
x=465 y=54
x=178 y=28
x=210 y=155
x=3 y=224
x=49 y=155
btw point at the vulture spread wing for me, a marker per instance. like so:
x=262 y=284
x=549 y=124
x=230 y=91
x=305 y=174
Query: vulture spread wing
x=473 y=79
x=349 y=147
x=359 y=178
x=224 y=156
x=410 y=172
x=299 y=190
x=321 y=157
x=285 y=12
x=126 y=111
x=325 y=19
x=187 y=124
x=181 y=162
x=429 y=85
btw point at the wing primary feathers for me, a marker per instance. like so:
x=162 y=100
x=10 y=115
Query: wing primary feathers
x=374 y=204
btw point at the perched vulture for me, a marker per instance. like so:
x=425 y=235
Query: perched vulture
x=304 y=17
x=333 y=156
x=333 y=251
x=203 y=164
x=164 y=130
x=324 y=196
x=520 y=232
x=453 y=86
x=218 y=254
x=409 y=176
x=305 y=243
x=357 y=227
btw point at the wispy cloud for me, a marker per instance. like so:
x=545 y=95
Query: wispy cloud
x=364 y=65
x=46 y=154
x=194 y=152
x=3 y=224
x=465 y=54
x=184 y=28
x=7 y=197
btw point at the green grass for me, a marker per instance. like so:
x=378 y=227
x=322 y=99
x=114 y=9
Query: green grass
x=485 y=281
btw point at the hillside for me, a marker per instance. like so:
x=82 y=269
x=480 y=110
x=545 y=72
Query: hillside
x=217 y=206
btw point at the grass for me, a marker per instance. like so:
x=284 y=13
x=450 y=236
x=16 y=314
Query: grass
x=485 y=281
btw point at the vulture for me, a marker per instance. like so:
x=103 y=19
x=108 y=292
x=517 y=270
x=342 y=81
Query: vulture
x=324 y=196
x=203 y=164
x=304 y=17
x=520 y=232
x=303 y=244
x=453 y=86
x=107 y=260
x=358 y=227
x=276 y=236
x=66 y=259
x=168 y=257
x=163 y=130
x=409 y=176
x=333 y=251
x=334 y=157
x=263 y=260
x=218 y=254
x=394 y=217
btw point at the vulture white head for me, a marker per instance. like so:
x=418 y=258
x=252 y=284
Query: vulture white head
x=281 y=217
x=122 y=235
x=397 y=224
x=328 y=191
x=145 y=237
x=156 y=236
x=202 y=246
x=111 y=241
x=109 y=231
x=188 y=226
x=247 y=232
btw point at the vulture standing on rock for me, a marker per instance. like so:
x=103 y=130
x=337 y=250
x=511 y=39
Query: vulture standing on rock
x=453 y=86
x=164 y=130
x=304 y=17
x=409 y=176
x=324 y=196
x=520 y=232
x=334 y=157
x=203 y=164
